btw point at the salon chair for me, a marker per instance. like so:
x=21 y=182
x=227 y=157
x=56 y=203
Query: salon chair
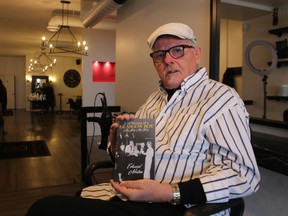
x=95 y=170
x=237 y=205
x=75 y=105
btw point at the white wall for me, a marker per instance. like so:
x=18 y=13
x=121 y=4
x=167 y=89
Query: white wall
x=136 y=77
x=103 y=49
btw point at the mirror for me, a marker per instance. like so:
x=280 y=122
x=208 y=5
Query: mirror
x=37 y=82
x=233 y=29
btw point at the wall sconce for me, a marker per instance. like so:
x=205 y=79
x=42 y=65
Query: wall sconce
x=52 y=79
x=28 y=79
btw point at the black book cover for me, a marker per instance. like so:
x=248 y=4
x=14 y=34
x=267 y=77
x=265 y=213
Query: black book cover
x=135 y=147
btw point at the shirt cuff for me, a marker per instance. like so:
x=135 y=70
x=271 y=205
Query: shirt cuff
x=192 y=192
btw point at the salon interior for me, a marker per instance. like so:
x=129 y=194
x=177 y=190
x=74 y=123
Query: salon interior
x=244 y=44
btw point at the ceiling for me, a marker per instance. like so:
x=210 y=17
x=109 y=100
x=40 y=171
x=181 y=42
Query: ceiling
x=23 y=23
x=248 y=9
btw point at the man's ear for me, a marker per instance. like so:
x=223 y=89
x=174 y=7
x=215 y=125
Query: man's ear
x=198 y=55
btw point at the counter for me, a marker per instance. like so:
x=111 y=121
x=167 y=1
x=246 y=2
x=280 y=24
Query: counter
x=270 y=144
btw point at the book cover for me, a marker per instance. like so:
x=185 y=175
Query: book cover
x=135 y=147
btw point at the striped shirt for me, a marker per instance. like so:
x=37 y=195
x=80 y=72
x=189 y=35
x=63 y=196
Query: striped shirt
x=203 y=132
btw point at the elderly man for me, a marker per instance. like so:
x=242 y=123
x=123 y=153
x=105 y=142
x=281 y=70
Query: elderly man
x=203 y=151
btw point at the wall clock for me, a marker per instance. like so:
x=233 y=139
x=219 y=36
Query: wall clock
x=72 y=78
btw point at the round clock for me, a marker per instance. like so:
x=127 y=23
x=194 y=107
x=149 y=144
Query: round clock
x=71 y=78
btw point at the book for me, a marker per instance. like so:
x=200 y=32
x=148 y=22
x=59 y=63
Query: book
x=135 y=149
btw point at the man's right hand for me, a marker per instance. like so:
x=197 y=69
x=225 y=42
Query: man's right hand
x=114 y=127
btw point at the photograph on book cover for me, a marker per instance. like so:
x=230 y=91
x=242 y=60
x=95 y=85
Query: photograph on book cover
x=135 y=147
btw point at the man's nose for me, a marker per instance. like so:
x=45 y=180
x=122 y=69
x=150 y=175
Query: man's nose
x=168 y=58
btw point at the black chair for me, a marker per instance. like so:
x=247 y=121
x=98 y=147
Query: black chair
x=75 y=106
x=92 y=173
x=237 y=206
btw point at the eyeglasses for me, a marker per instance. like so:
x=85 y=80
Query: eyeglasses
x=175 y=52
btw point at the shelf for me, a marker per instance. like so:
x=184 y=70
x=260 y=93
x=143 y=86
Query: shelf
x=278 y=98
x=279 y=32
x=280 y=63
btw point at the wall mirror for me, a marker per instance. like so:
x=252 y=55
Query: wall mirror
x=234 y=26
x=37 y=82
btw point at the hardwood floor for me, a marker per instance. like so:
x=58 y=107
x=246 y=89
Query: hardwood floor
x=62 y=135
x=24 y=180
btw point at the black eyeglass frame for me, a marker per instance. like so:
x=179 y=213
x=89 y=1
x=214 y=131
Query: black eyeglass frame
x=168 y=51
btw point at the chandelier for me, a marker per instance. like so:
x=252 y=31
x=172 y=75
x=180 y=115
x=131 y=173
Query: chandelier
x=41 y=61
x=60 y=42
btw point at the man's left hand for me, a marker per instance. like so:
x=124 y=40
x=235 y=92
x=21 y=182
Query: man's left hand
x=144 y=190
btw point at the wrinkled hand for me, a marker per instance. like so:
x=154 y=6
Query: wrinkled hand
x=144 y=190
x=115 y=125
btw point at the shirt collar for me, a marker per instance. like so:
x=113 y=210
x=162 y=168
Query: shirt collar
x=189 y=81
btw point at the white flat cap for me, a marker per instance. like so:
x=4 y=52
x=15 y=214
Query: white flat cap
x=180 y=30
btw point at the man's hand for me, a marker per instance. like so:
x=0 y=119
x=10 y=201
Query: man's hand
x=115 y=125
x=144 y=190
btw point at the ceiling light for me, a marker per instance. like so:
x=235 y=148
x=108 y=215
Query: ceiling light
x=41 y=62
x=61 y=43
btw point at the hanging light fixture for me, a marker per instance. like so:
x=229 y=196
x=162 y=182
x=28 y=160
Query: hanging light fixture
x=41 y=61
x=61 y=44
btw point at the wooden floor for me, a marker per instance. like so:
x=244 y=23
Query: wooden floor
x=16 y=203
x=24 y=180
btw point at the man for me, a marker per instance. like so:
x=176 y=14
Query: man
x=48 y=91
x=3 y=96
x=203 y=151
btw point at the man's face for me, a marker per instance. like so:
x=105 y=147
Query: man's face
x=172 y=71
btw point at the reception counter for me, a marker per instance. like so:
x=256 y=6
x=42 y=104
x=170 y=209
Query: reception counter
x=271 y=152
x=270 y=144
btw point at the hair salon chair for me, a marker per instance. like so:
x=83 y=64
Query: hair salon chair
x=94 y=172
x=237 y=206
